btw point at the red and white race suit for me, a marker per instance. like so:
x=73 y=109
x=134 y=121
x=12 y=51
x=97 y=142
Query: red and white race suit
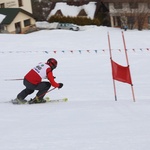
x=39 y=72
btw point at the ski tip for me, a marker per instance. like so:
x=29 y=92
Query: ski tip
x=65 y=99
x=56 y=100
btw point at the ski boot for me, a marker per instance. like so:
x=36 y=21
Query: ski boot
x=19 y=101
x=36 y=100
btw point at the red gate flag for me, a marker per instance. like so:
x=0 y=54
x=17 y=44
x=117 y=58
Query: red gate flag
x=121 y=73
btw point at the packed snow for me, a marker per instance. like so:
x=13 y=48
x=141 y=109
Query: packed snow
x=72 y=11
x=2 y=17
x=91 y=119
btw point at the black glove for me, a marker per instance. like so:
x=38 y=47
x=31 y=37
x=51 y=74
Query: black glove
x=60 y=85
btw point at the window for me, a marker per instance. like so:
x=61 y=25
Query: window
x=20 y=3
x=149 y=5
x=118 y=5
x=27 y=22
x=1 y=28
x=2 y=5
x=131 y=20
x=133 y=5
x=148 y=19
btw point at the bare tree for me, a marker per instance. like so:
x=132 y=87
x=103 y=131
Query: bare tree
x=41 y=9
x=138 y=13
x=135 y=11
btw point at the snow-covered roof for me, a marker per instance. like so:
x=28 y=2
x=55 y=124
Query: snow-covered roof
x=73 y=11
x=2 y=17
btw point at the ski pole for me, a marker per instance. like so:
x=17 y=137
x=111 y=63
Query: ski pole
x=12 y=79
x=32 y=100
x=46 y=92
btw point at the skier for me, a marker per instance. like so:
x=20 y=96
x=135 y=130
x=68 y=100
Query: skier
x=33 y=81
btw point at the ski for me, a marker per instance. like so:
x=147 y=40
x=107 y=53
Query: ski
x=56 y=100
x=48 y=100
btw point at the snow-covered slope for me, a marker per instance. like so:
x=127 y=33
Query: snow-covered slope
x=91 y=119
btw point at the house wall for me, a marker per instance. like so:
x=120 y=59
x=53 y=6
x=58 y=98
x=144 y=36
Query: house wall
x=116 y=13
x=26 y=4
x=126 y=9
x=20 y=18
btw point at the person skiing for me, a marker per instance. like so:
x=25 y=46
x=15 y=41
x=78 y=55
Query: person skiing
x=33 y=81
